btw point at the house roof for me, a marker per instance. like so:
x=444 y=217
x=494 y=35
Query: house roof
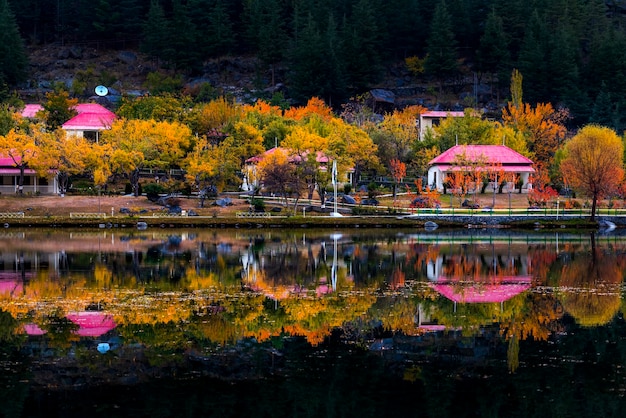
x=30 y=110
x=91 y=116
x=492 y=153
x=320 y=158
x=7 y=166
x=442 y=114
x=89 y=121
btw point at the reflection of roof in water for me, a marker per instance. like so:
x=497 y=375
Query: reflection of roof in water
x=92 y=323
x=498 y=290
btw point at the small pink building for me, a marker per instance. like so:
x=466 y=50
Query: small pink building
x=9 y=176
x=91 y=119
x=505 y=158
x=433 y=117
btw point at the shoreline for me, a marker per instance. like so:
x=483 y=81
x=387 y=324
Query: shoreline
x=398 y=221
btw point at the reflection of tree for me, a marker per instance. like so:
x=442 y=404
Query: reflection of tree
x=529 y=316
x=8 y=326
x=590 y=286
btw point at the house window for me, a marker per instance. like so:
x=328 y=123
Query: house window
x=91 y=136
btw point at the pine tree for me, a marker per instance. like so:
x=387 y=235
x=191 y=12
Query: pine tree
x=604 y=110
x=441 y=61
x=156 y=32
x=314 y=62
x=183 y=38
x=533 y=60
x=493 y=53
x=13 y=58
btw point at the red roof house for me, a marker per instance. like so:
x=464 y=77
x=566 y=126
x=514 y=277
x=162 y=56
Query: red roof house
x=498 y=157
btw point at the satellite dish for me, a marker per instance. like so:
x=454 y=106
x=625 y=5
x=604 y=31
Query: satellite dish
x=102 y=91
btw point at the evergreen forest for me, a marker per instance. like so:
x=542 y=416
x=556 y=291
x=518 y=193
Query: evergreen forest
x=572 y=53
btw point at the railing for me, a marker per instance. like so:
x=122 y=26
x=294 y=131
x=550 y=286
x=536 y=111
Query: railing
x=88 y=215
x=551 y=212
x=11 y=215
x=253 y=215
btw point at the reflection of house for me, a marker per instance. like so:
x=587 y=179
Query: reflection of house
x=479 y=277
x=487 y=290
x=495 y=157
x=91 y=119
x=432 y=118
x=9 y=179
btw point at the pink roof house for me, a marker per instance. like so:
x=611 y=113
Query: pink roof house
x=433 y=118
x=9 y=175
x=506 y=160
x=91 y=119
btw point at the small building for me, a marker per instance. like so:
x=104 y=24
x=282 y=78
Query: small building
x=33 y=184
x=251 y=163
x=498 y=157
x=91 y=119
x=432 y=118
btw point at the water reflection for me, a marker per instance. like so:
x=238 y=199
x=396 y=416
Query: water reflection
x=199 y=298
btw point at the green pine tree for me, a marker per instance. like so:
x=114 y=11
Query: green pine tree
x=13 y=58
x=442 y=59
x=533 y=60
x=156 y=32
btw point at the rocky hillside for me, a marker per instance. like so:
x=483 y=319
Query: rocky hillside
x=80 y=69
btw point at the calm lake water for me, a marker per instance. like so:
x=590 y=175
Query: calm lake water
x=307 y=323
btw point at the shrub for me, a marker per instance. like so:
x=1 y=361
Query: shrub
x=258 y=204
x=153 y=190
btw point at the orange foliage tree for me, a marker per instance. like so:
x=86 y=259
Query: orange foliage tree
x=398 y=172
x=541 y=192
x=542 y=126
x=593 y=163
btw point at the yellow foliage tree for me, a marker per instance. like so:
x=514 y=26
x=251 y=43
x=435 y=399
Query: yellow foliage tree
x=593 y=163
x=146 y=143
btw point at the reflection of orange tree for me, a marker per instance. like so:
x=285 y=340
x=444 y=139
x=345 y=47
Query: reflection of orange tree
x=541 y=259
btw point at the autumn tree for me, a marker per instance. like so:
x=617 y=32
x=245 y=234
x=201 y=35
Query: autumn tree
x=213 y=119
x=593 y=163
x=159 y=108
x=23 y=150
x=65 y=156
x=209 y=167
x=398 y=172
x=542 y=126
x=397 y=132
x=279 y=175
x=146 y=144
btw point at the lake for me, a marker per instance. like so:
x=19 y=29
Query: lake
x=311 y=323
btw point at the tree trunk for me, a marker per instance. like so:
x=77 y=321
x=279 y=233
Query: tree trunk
x=20 y=182
x=64 y=180
x=594 y=204
x=134 y=181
